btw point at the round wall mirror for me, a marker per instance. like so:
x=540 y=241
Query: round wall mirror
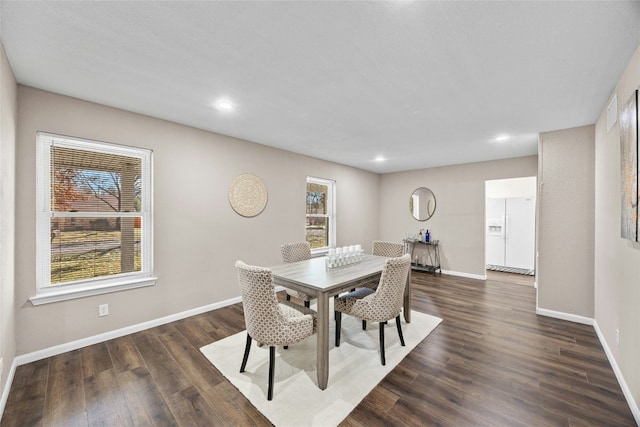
x=422 y=204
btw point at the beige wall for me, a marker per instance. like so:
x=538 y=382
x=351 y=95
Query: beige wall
x=8 y=112
x=617 y=261
x=458 y=221
x=566 y=221
x=198 y=236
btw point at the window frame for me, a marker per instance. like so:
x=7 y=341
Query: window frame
x=331 y=212
x=46 y=292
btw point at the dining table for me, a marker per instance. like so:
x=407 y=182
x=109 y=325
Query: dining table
x=314 y=277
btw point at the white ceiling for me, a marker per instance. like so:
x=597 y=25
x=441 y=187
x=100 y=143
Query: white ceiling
x=422 y=83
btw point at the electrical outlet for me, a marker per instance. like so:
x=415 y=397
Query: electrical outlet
x=618 y=337
x=103 y=310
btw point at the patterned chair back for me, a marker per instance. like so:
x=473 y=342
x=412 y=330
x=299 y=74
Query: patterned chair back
x=388 y=249
x=294 y=252
x=386 y=302
x=262 y=313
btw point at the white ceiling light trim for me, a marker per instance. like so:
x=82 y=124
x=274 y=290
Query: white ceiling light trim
x=502 y=138
x=224 y=105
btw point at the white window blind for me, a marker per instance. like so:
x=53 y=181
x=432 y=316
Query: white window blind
x=94 y=231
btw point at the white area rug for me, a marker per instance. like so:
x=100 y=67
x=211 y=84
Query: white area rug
x=354 y=370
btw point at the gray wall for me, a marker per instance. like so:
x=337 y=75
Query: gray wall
x=459 y=219
x=198 y=237
x=8 y=120
x=617 y=261
x=566 y=221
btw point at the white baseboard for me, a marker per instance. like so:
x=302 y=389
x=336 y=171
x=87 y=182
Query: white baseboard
x=7 y=386
x=614 y=365
x=564 y=316
x=467 y=275
x=74 y=345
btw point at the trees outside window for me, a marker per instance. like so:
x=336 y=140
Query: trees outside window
x=94 y=208
x=320 y=213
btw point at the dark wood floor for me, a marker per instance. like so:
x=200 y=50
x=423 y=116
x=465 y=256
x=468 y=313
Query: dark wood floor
x=492 y=362
x=518 y=279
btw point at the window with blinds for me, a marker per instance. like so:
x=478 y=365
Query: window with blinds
x=320 y=213
x=94 y=215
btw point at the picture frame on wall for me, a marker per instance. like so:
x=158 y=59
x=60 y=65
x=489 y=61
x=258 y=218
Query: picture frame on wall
x=628 y=123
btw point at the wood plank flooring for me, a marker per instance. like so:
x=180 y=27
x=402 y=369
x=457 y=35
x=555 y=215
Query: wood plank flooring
x=492 y=362
x=518 y=279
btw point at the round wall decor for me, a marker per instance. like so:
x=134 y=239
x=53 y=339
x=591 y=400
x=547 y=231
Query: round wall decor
x=247 y=195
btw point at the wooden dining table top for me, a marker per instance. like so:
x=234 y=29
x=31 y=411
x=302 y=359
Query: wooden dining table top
x=314 y=274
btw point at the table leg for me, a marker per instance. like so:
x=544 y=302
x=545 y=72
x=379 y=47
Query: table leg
x=407 y=298
x=323 y=340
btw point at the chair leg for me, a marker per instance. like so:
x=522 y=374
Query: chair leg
x=272 y=360
x=399 y=330
x=364 y=325
x=338 y=316
x=307 y=304
x=247 y=347
x=382 y=359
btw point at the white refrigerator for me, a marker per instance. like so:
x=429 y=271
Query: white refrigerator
x=510 y=232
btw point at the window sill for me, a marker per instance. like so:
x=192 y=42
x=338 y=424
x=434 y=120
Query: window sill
x=57 y=295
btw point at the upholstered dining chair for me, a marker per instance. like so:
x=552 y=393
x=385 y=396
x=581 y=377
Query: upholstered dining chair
x=269 y=321
x=388 y=249
x=379 y=305
x=294 y=252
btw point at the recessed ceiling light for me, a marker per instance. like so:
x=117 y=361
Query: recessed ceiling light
x=501 y=138
x=380 y=159
x=224 y=105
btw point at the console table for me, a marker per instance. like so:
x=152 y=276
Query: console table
x=431 y=263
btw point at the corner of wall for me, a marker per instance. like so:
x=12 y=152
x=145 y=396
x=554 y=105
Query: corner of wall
x=616 y=370
x=566 y=221
x=8 y=125
x=616 y=260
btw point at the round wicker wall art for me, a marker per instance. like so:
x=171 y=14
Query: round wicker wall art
x=247 y=195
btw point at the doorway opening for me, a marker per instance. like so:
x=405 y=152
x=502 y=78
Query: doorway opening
x=510 y=227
